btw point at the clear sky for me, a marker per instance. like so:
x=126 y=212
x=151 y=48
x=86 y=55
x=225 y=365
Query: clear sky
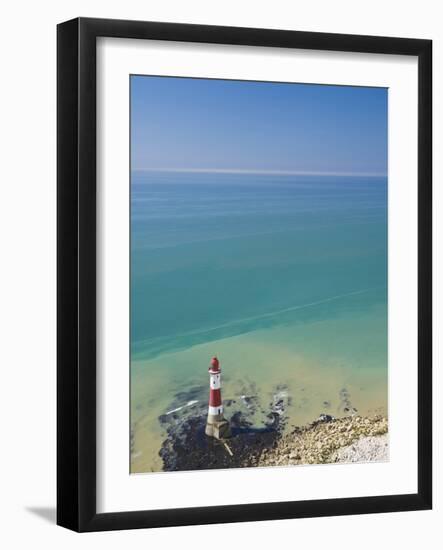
x=201 y=124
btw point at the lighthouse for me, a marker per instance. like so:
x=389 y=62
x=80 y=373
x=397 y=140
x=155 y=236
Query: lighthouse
x=216 y=426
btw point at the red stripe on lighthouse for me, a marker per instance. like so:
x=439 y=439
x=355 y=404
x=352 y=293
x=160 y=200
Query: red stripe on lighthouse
x=215 y=398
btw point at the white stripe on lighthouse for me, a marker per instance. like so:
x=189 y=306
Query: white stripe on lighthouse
x=215 y=410
x=215 y=382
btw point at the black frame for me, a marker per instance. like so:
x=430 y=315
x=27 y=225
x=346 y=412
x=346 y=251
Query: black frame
x=76 y=268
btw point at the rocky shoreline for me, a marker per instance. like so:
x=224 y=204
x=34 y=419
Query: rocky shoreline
x=261 y=436
x=330 y=440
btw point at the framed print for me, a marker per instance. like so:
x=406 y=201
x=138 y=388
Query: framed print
x=244 y=274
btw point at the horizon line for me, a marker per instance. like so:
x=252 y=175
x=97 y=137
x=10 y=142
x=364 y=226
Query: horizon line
x=262 y=172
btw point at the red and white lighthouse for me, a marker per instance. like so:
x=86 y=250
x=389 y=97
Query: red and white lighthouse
x=216 y=426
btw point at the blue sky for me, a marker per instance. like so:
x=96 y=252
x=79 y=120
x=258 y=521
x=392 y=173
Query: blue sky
x=201 y=124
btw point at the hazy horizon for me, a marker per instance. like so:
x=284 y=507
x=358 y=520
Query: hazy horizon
x=262 y=172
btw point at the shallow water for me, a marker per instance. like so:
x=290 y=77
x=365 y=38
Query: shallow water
x=284 y=278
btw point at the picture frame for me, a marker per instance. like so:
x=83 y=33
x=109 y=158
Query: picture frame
x=77 y=252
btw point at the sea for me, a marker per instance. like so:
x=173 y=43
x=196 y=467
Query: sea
x=282 y=277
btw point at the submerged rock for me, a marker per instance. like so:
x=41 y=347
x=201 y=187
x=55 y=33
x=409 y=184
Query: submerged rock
x=254 y=430
x=188 y=448
x=346 y=406
x=325 y=418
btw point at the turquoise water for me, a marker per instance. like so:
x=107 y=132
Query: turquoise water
x=282 y=276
